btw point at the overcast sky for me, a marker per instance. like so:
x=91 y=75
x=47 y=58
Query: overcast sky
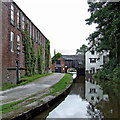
x=61 y=21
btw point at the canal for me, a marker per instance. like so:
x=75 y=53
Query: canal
x=85 y=100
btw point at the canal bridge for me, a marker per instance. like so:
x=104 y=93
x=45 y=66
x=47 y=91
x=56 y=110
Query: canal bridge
x=75 y=61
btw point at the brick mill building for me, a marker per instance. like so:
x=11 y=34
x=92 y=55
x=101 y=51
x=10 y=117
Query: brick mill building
x=12 y=24
x=69 y=61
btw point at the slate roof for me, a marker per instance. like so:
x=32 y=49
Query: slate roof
x=73 y=57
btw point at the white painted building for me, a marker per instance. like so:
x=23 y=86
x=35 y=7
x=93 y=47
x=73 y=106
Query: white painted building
x=94 y=60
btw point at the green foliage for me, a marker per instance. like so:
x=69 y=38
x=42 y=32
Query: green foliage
x=30 y=57
x=47 y=55
x=82 y=49
x=61 y=85
x=40 y=61
x=55 y=57
x=106 y=15
x=109 y=79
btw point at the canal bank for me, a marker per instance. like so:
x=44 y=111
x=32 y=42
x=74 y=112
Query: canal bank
x=40 y=101
x=86 y=100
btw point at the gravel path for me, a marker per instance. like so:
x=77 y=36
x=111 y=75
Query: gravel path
x=29 y=89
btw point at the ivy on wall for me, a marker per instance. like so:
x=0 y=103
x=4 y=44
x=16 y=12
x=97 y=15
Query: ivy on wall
x=40 y=60
x=30 y=56
x=47 y=55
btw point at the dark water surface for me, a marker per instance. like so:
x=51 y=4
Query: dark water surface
x=85 y=100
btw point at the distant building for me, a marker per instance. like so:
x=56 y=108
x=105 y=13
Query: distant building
x=94 y=60
x=13 y=21
x=59 y=66
x=68 y=61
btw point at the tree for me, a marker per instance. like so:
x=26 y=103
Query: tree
x=107 y=36
x=54 y=58
x=82 y=49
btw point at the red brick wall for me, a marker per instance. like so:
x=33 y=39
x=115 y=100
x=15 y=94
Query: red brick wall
x=62 y=65
x=8 y=57
x=0 y=43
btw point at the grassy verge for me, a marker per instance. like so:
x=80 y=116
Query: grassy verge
x=61 y=85
x=23 y=80
x=58 y=87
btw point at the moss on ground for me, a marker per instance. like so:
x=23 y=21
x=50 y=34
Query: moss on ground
x=23 y=80
x=54 y=91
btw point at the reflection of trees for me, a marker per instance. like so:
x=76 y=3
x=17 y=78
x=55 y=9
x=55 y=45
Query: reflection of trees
x=104 y=109
x=110 y=109
x=93 y=112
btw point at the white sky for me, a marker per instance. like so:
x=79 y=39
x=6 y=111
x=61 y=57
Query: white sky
x=61 y=21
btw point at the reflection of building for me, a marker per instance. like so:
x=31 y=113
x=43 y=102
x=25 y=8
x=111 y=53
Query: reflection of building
x=94 y=60
x=93 y=92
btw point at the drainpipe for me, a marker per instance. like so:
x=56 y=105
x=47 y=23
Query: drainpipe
x=17 y=68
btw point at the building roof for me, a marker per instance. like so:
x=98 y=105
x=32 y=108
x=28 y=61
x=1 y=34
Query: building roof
x=73 y=57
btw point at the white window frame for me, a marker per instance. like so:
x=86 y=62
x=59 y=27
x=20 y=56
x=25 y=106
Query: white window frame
x=23 y=22
x=12 y=41
x=92 y=60
x=18 y=19
x=18 y=42
x=12 y=14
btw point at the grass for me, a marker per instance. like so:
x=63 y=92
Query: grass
x=61 y=85
x=14 y=105
x=58 y=87
x=23 y=80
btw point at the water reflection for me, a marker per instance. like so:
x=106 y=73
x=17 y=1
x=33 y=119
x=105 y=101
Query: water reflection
x=72 y=107
x=85 y=100
x=93 y=92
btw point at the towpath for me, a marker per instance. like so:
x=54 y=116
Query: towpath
x=35 y=87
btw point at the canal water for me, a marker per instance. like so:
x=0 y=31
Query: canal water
x=85 y=100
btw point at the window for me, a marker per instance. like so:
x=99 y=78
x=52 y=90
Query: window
x=92 y=60
x=12 y=41
x=31 y=31
x=93 y=70
x=37 y=37
x=23 y=23
x=58 y=62
x=12 y=14
x=92 y=90
x=92 y=52
x=41 y=39
x=92 y=98
x=18 y=42
x=18 y=19
x=34 y=33
x=44 y=43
